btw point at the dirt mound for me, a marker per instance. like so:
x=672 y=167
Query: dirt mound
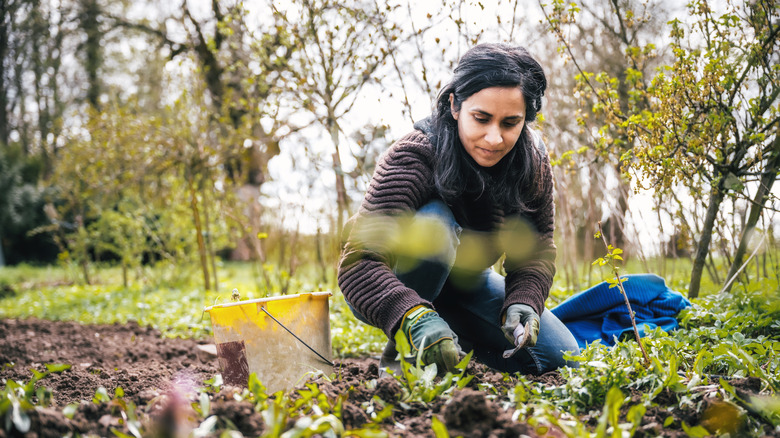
x=470 y=414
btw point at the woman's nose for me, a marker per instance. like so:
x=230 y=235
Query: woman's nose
x=493 y=135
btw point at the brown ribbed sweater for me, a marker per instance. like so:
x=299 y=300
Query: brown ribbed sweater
x=402 y=183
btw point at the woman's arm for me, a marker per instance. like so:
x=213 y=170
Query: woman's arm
x=402 y=182
x=529 y=278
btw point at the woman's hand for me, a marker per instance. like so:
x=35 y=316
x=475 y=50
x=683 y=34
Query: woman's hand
x=426 y=330
x=521 y=314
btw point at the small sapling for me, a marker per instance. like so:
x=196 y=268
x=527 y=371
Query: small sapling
x=610 y=258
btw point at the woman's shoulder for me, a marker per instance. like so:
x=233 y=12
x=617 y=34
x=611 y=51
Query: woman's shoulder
x=414 y=146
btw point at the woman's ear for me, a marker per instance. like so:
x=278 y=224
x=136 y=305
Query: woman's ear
x=452 y=107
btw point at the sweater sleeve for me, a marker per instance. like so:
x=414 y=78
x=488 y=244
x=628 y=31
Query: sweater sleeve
x=530 y=278
x=401 y=184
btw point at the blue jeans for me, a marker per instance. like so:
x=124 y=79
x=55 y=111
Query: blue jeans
x=472 y=309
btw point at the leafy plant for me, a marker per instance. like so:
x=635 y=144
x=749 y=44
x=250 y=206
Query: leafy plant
x=420 y=382
x=302 y=412
x=18 y=398
x=125 y=409
x=612 y=255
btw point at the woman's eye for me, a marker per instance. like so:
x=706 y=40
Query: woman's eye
x=511 y=124
x=481 y=120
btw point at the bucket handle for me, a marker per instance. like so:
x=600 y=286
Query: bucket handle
x=296 y=337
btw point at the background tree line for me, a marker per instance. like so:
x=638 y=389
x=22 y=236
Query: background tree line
x=207 y=131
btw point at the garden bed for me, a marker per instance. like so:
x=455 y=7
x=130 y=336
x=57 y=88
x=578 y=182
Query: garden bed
x=127 y=380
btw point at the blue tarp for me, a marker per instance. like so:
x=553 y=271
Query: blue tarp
x=601 y=313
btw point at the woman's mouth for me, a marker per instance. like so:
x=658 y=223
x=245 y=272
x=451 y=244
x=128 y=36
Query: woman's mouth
x=489 y=151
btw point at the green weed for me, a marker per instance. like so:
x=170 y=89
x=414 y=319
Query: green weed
x=17 y=399
x=420 y=382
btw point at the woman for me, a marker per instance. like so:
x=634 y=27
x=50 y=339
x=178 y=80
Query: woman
x=470 y=184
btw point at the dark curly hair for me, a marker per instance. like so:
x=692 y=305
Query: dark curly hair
x=515 y=182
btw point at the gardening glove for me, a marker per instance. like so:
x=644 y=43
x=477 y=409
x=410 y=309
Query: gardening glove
x=425 y=329
x=524 y=316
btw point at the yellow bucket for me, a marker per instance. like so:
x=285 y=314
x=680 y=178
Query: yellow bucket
x=278 y=338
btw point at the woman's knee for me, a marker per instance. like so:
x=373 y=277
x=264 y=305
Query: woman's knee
x=435 y=225
x=554 y=344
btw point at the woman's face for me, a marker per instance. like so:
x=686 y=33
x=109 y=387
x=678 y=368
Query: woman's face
x=490 y=122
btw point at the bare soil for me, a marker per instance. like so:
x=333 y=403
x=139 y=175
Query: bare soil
x=160 y=375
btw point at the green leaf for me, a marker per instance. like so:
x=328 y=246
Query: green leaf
x=439 y=429
x=215 y=382
x=70 y=410
x=767 y=406
x=695 y=431
x=119 y=392
x=132 y=426
x=635 y=415
x=120 y=434
x=256 y=387
x=462 y=365
x=37 y=375
x=20 y=418
x=57 y=367
x=101 y=395
x=611 y=414
x=44 y=396
x=429 y=373
x=204 y=404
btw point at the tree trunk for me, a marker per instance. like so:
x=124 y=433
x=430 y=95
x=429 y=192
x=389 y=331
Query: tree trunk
x=765 y=187
x=199 y=230
x=615 y=223
x=320 y=258
x=209 y=242
x=25 y=137
x=588 y=250
x=85 y=272
x=259 y=262
x=4 y=32
x=83 y=259
x=341 y=189
x=292 y=263
x=716 y=198
x=664 y=247
x=88 y=17
x=568 y=234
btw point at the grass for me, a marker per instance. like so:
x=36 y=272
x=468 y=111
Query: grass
x=53 y=293
x=174 y=304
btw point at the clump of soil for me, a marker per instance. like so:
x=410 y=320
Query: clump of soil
x=388 y=389
x=469 y=413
